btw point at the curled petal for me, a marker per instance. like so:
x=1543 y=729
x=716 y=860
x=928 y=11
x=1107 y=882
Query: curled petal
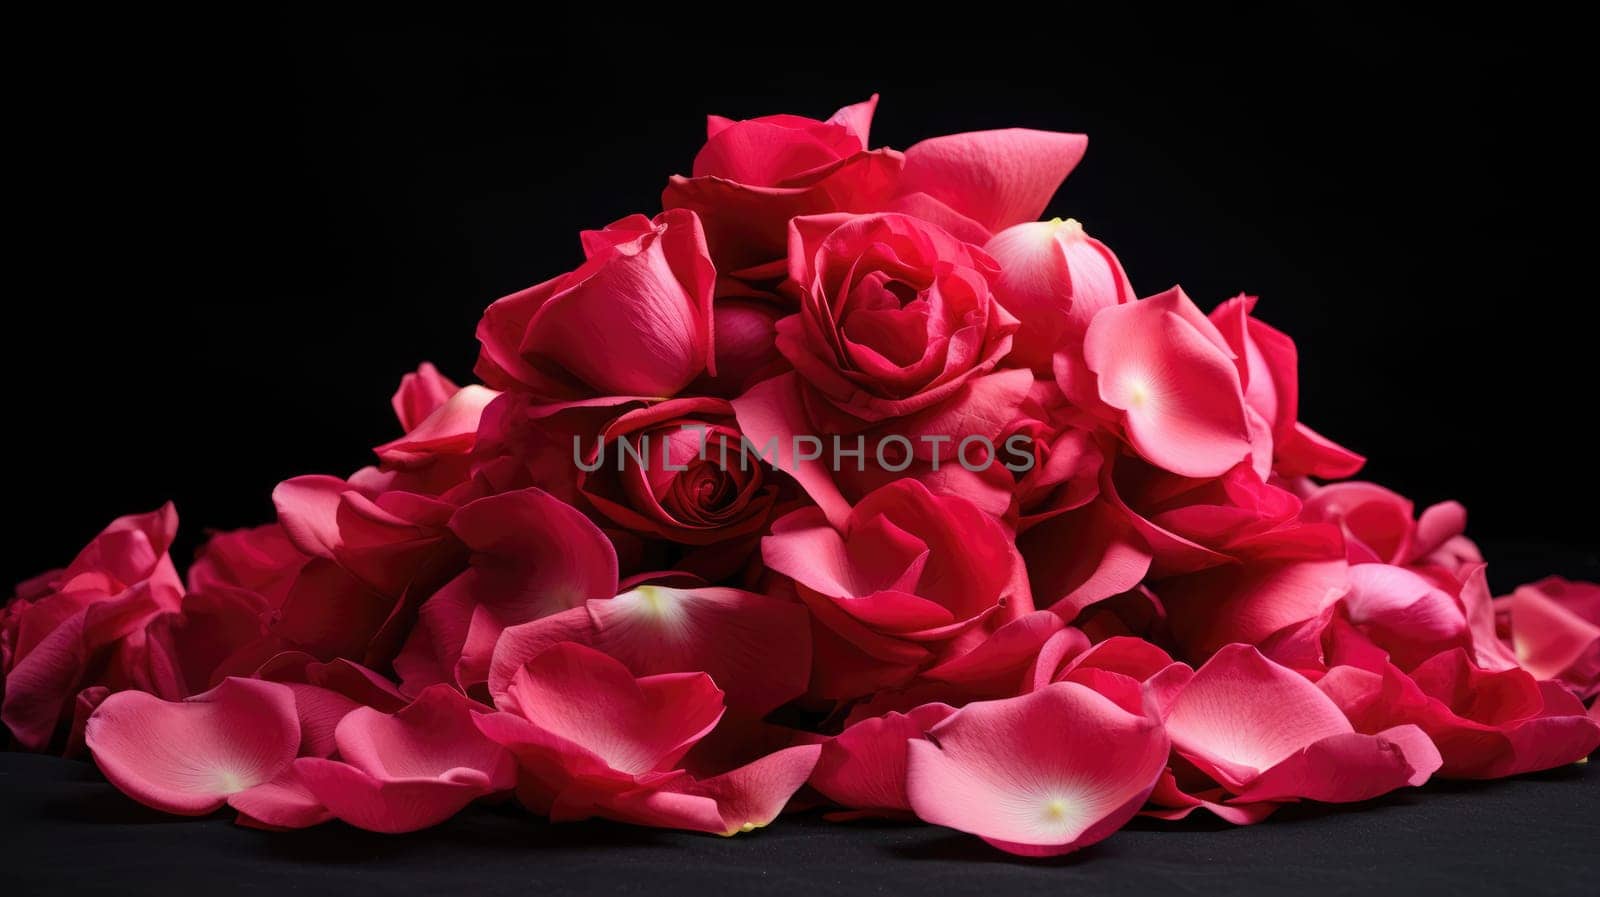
x=283 y=803
x=1242 y=714
x=756 y=648
x=1350 y=767
x=742 y=800
x=1042 y=774
x=189 y=757
x=409 y=770
x=864 y=767
x=1162 y=364
x=591 y=714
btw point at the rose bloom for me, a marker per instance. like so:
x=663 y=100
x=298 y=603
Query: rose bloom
x=897 y=336
x=690 y=482
x=899 y=587
x=895 y=314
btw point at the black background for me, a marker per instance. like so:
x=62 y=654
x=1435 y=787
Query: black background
x=240 y=234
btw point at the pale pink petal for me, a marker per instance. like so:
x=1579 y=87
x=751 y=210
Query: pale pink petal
x=421 y=392
x=452 y=428
x=1489 y=650
x=1436 y=525
x=1242 y=714
x=1042 y=774
x=583 y=698
x=1288 y=577
x=409 y=770
x=189 y=757
x=1164 y=366
x=1054 y=278
x=1308 y=452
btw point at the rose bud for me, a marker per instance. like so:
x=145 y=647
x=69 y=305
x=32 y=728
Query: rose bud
x=752 y=176
x=1053 y=277
x=633 y=320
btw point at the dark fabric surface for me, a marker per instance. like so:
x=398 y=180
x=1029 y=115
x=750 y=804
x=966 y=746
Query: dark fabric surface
x=65 y=831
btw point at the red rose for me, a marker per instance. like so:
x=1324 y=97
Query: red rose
x=897 y=338
x=752 y=176
x=894 y=589
x=684 y=475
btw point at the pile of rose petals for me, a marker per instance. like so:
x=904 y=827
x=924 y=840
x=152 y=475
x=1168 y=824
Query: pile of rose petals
x=549 y=589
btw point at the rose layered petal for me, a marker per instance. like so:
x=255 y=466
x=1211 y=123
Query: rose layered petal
x=450 y=429
x=324 y=693
x=82 y=627
x=420 y=394
x=1268 y=366
x=259 y=559
x=911 y=569
x=42 y=684
x=1403 y=613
